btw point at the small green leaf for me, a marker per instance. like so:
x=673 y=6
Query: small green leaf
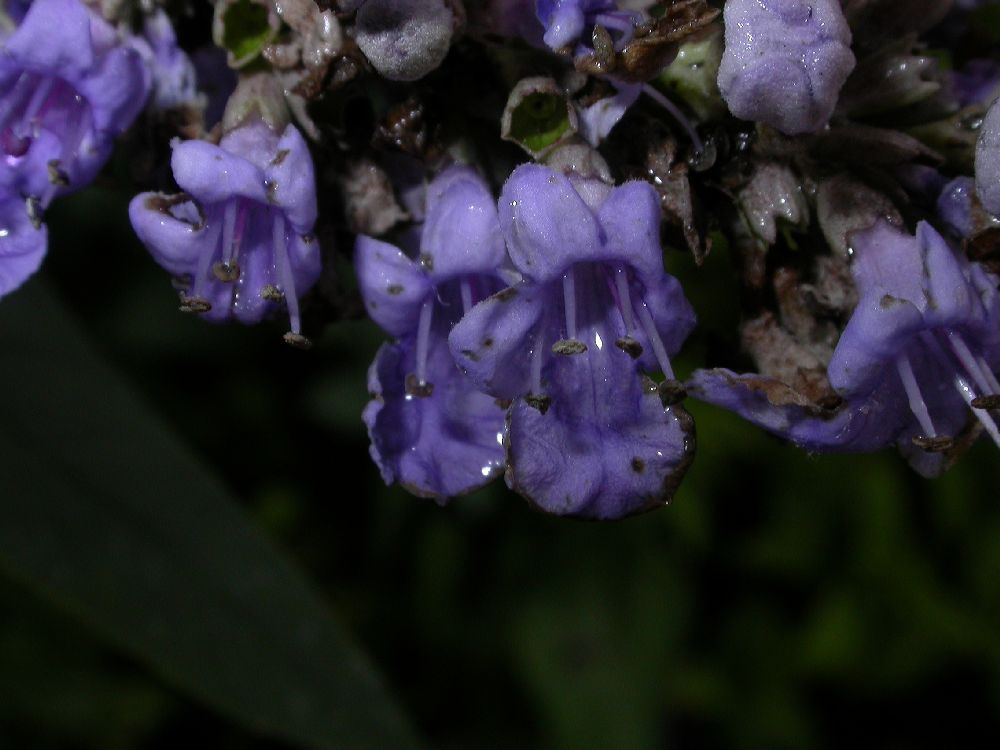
x=106 y=513
x=539 y=121
x=245 y=29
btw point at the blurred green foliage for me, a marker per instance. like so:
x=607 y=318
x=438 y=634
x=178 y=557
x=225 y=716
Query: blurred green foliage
x=782 y=601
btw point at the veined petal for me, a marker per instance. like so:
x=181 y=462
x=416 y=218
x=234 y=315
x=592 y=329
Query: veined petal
x=22 y=246
x=570 y=460
x=173 y=230
x=546 y=224
x=461 y=235
x=495 y=341
x=630 y=218
x=440 y=445
x=291 y=180
x=53 y=37
x=392 y=286
x=213 y=175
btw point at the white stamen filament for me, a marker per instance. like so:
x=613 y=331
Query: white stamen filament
x=466 y=290
x=649 y=326
x=285 y=272
x=967 y=393
x=37 y=100
x=917 y=404
x=537 y=355
x=625 y=300
x=569 y=299
x=676 y=113
x=228 y=225
x=976 y=367
x=18 y=92
x=202 y=273
x=424 y=339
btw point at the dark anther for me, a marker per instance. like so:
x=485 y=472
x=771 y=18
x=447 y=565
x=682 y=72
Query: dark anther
x=503 y=403
x=426 y=262
x=182 y=282
x=415 y=388
x=542 y=403
x=394 y=289
x=297 y=340
x=630 y=346
x=279 y=157
x=506 y=295
x=194 y=304
x=569 y=346
x=226 y=272
x=671 y=392
x=991 y=401
x=934 y=444
x=638 y=465
x=271 y=293
x=34 y=209
x=470 y=355
x=57 y=175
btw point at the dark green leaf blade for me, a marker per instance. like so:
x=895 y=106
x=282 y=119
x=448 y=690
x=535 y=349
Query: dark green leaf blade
x=104 y=511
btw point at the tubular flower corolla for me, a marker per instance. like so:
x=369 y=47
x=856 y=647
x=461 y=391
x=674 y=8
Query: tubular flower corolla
x=785 y=61
x=920 y=352
x=588 y=434
x=67 y=88
x=431 y=430
x=238 y=238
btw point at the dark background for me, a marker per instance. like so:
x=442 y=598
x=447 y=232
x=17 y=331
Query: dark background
x=782 y=600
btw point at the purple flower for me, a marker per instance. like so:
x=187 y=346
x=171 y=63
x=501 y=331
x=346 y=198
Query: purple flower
x=431 y=430
x=173 y=74
x=565 y=20
x=988 y=161
x=785 y=61
x=920 y=350
x=238 y=238
x=68 y=88
x=589 y=435
x=978 y=82
x=954 y=206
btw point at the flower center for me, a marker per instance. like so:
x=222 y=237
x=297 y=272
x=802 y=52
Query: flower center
x=969 y=374
x=37 y=102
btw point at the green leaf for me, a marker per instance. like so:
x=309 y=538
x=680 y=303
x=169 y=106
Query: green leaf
x=105 y=512
x=539 y=120
x=246 y=29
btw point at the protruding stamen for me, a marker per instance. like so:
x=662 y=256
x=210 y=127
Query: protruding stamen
x=659 y=350
x=201 y=273
x=424 y=339
x=966 y=392
x=676 y=113
x=625 y=300
x=15 y=97
x=466 y=290
x=285 y=272
x=913 y=395
x=976 y=368
x=38 y=98
x=537 y=354
x=569 y=299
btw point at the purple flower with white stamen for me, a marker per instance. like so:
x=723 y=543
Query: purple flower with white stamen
x=920 y=352
x=431 y=430
x=785 y=61
x=238 y=238
x=565 y=21
x=68 y=88
x=589 y=435
x=173 y=73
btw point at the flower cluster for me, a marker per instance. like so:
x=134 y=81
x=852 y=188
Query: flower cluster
x=851 y=178
x=68 y=86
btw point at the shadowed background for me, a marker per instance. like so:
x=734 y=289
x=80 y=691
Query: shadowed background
x=781 y=601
